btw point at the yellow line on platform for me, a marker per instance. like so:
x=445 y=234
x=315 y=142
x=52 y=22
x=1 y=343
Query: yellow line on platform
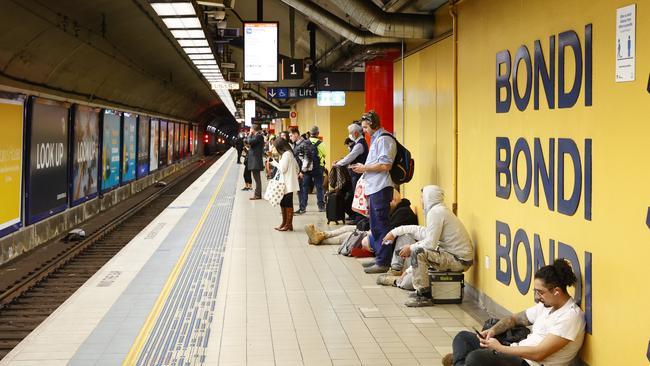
x=145 y=332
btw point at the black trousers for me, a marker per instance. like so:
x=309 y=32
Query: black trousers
x=247 y=176
x=258 y=182
x=468 y=352
x=287 y=200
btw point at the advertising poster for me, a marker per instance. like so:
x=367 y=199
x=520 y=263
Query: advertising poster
x=184 y=143
x=143 y=146
x=170 y=142
x=110 y=150
x=128 y=147
x=196 y=138
x=85 y=153
x=191 y=140
x=11 y=163
x=162 y=161
x=154 y=143
x=177 y=141
x=48 y=159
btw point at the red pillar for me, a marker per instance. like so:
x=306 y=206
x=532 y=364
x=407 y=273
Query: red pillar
x=379 y=90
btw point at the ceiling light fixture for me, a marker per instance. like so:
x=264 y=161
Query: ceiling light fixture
x=173 y=9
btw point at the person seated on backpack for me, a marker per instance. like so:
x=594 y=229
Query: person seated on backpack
x=400 y=214
x=443 y=244
x=558 y=328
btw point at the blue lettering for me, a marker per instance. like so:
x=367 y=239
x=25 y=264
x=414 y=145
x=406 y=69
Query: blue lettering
x=567 y=252
x=503 y=81
x=503 y=167
x=522 y=193
x=569 y=39
x=539 y=254
x=568 y=206
x=522 y=285
x=546 y=74
x=502 y=253
x=547 y=175
x=522 y=54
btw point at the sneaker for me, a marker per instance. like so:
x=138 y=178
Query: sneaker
x=420 y=300
x=387 y=280
x=321 y=209
x=368 y=264
x=315 y=236
x=300 y=212
x=447 y=360
x=375 y=268
x=394 y=272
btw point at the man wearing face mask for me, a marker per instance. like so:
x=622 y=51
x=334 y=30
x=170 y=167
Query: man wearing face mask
x=357 y=154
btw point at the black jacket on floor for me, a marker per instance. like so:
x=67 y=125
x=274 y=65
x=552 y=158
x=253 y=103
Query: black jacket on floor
x=401 y=215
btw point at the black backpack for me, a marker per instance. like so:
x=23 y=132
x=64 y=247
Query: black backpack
x=314 y=153
x=403 y=166
x=514 y=335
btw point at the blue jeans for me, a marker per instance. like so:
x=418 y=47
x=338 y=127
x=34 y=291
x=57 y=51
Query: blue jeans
x=316 y=175
x=379 y=205
x=468 y=352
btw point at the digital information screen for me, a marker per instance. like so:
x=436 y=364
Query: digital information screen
x=261 y=51
x=330 y=98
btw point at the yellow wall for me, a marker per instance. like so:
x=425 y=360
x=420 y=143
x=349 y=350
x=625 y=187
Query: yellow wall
x=331 y=121
x=617 y=235
x=428 y=127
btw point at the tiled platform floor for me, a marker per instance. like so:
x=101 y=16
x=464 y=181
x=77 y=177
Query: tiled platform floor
x=284 y=302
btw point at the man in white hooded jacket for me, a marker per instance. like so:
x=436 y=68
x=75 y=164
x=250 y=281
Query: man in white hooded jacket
x=443 y=244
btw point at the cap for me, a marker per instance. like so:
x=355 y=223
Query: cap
x=314 y=131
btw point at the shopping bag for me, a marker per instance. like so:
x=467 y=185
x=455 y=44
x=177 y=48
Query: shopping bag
x=360 y=201
x=275 y=189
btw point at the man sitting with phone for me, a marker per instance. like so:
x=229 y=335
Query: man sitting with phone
x=557 y=333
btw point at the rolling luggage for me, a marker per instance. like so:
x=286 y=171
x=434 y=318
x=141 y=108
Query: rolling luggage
x=335 y=207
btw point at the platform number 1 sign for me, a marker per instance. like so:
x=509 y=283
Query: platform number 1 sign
x=292 y=69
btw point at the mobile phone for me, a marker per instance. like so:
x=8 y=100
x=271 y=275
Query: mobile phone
x=479 y=334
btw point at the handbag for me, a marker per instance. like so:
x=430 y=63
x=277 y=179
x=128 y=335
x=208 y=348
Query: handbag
x=275 y=189
x=360 y=200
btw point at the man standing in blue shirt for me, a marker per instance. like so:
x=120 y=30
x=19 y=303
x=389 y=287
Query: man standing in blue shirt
x=378 y=188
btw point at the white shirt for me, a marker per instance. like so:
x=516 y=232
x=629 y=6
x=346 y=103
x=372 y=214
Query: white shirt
x=567 y=322
x=289 y=169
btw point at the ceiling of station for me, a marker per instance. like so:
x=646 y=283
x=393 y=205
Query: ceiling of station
x=120 y=53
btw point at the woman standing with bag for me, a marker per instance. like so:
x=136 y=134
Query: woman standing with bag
x=288 y=168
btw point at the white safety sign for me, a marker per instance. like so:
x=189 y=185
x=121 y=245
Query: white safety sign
x=625 y=43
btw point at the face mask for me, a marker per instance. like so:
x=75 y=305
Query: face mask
x=352 y=137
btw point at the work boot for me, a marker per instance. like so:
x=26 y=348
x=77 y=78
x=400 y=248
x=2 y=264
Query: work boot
x=387 y=280
x=288 y=226
x=315 y=236
x=376 y=269
x=421 y=300
x=284 y=218
x=394 y=272
x=447 y=360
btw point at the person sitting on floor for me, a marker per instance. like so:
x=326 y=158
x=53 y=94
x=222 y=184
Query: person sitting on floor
x=443 y=244
x=557 y=333
x=401 y=214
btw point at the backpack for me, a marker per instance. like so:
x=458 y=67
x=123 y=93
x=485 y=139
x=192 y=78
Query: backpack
x=315 y=154
x=514 y=335
x=352 y=241
x=403 y=166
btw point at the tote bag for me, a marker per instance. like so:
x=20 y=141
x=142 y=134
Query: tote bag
x=275 y=189
x=360 y=200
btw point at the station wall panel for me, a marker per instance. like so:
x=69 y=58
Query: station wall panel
x=129 y=157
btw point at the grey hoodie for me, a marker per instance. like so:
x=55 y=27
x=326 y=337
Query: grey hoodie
x=443 y=231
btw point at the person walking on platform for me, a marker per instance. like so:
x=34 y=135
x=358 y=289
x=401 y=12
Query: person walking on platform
x=378 y=188
x=255 y=159
x=288 y=167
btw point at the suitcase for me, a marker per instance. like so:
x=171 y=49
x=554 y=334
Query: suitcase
x=447 y=287
x=335 y=207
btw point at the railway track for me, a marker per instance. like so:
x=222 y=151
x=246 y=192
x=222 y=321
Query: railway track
x=28 y=302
